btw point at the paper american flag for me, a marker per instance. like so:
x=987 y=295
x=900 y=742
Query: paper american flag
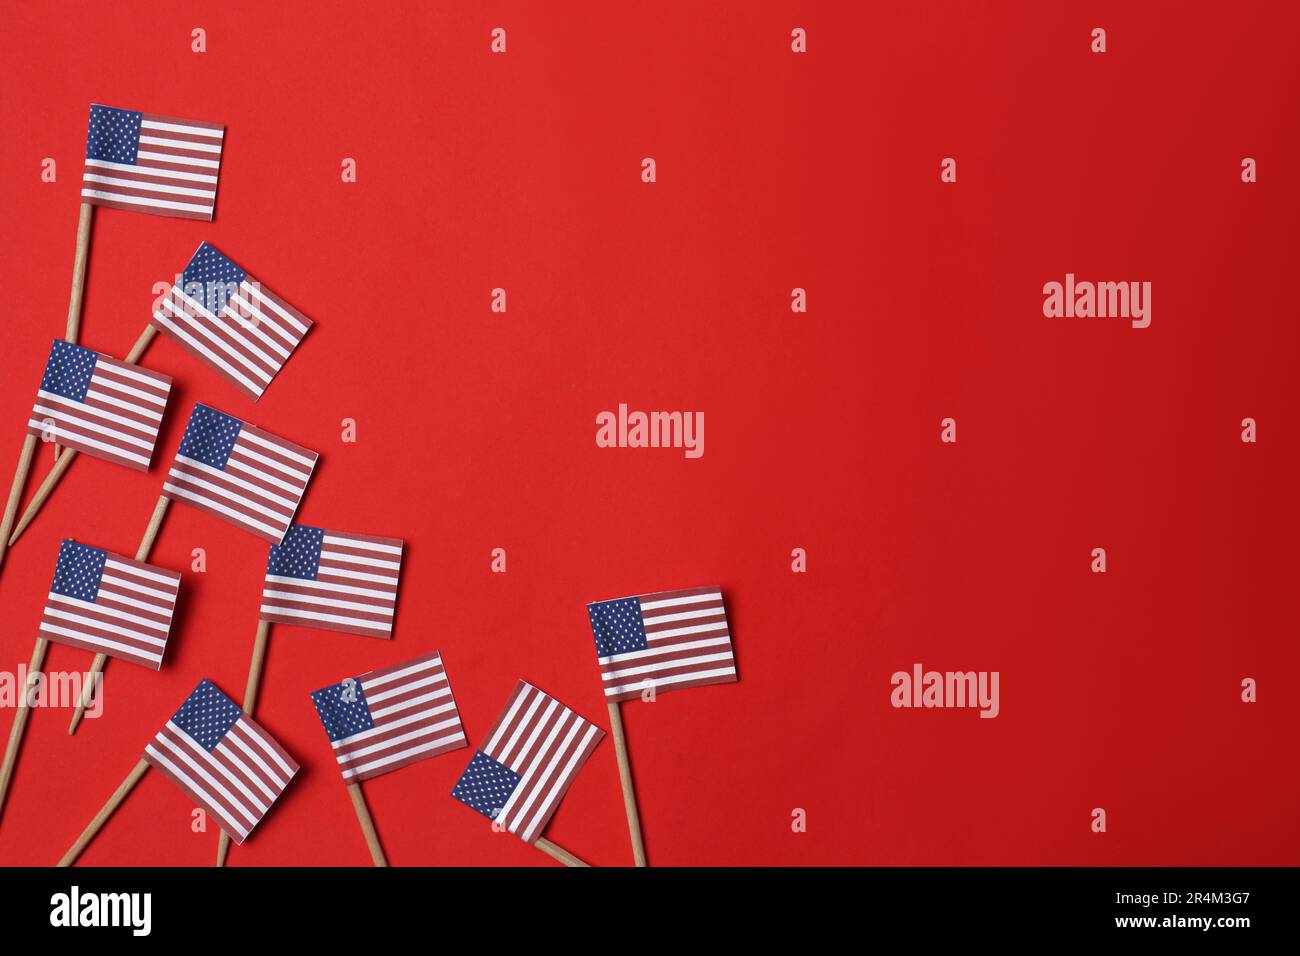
x=532 y=755
x=110 y=604
x=99 y=406
x=389 y=718
x=238 y=472
x=333 y=579
x=156 y=164
x=668 y=640
x=230 y=321
x=222 y=759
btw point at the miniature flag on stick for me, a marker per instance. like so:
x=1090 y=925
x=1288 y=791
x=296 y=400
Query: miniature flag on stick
x=230 y=321
x=239 y=472
x=92 y=403
x=531 y=757
x=102 y=602
x=330 y=579
x=222 y=759
x=107 y=603
x=148 y=163
x=385 y=720
x=333 y=579
x=657 y=642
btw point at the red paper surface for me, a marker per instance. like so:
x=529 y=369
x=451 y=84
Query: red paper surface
x=476 y=430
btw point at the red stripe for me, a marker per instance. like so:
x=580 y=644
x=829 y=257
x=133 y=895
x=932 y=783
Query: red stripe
x=229 y=491
x=173 y=121
x=205 y=216
x=144 y=178
x=204 y=504
x=84 y=411
x=308 y=593
x=68 y=441
x=284 y=446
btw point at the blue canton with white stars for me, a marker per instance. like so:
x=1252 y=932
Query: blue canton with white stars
x=207 y=715
x=343 y=709
x=114 y=134
x=211 y=278
x=78 y=572
x=210 y=436
x=617 y=626
x=69 y=370
x=298 y=555
x=485 y=785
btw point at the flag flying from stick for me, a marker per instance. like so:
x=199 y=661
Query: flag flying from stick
x=229 y=320
x=235 y=471
x=149 y=163
x=99 y=406
x=389 y=718
x=332 y=579
x=532 y=754
x=222 y=759
x=110 y=604
x=667 y=641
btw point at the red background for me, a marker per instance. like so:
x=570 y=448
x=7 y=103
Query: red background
x=476 y=430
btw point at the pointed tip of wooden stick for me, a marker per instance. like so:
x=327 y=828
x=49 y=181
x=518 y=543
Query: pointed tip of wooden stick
x=76 y=719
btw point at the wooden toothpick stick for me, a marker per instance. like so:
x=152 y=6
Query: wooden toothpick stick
x=557 y=852
x=78 y=281
x=16 y=492
x=250 y=700
x=625 y=777
x=367 y=825
x=105 y=812
x=69 y=455
x=97 y=667
x=20 y=720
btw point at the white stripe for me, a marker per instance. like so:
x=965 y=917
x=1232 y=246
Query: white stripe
x=276 y=530
x=357 y=559
x=177 y=160
x=651 y=651
x=162 y=173
x=181 y=144
x=67 y=436
x=135 y=201
x=263 y=803
x=218 y=133
x=405 y=672
x=103 y=642
x=422 y=699
x=153 y=187
x=682 y=616
x=660 y=636
x=677 y=601
x=183 y=334
x=375 y=696
x=135 y=374
x=264 y=473
x=366 y=545
x=329 y=602
x=611 y=691
x=253 y=326
x=185 y=778
x=667 y=665
x=331 y=618
x=316 y=585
